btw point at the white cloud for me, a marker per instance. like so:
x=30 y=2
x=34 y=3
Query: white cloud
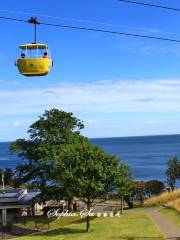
x=149 y=48
x=14 y=123
x=20 y=124
x=99 y=97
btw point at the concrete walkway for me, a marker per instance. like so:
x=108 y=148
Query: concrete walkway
x=6 y=235
x=170 y=230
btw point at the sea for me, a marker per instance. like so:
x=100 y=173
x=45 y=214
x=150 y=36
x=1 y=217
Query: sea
x=147 y=156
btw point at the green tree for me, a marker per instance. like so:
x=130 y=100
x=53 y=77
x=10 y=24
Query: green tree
x=154 y=187
x=47 y=135
x=173 y=172
x=139 y=190
x=125 y=185
x=91 y=172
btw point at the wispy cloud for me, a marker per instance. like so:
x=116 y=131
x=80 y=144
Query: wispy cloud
x=149 y=48
x=99 y=97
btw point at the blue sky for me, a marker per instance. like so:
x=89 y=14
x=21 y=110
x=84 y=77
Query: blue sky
x=119 y=86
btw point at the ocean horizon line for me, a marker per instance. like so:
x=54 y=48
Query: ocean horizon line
x=139 y=136
x=132 y=136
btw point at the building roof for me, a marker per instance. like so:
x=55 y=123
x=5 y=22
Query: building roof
x=12 y=195
x=17 y=198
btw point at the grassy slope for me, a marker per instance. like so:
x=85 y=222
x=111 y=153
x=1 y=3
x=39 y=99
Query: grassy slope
x=174 y=204
x=172 y=214
x=163 y=198
x=133 y=225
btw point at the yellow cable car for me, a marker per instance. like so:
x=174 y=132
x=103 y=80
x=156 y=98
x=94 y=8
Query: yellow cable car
x=34 y=60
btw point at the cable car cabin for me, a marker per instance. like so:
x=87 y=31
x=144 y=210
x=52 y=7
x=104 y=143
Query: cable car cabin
x=34 y=60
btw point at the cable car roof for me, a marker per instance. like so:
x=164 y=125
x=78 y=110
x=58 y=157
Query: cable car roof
x=34 y=46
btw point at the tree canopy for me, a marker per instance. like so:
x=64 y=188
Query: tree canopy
x=54 y=129
x=90 y=173
x=173 y=172
x=63 y=164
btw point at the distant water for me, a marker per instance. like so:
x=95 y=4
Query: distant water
x=147 y=156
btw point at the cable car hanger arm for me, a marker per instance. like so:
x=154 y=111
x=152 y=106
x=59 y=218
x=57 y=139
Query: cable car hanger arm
x=35 y=22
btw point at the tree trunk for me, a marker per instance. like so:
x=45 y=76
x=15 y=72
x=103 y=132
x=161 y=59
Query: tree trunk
x=28 y=211
x=33 y=209
x=69 y=205
x=172 y=186
x=122 y=204
x=129 y=201
x=142 y=199
x=87 y=217
x=87 y=223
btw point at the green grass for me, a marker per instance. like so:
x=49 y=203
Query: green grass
x=133 y=225
x=172 y=215
x=41 y=222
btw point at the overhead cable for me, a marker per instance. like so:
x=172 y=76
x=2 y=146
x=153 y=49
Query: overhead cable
x=95 y=30
x=150 y=5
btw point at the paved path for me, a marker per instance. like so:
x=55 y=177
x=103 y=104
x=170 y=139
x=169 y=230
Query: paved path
x=6 y=235
x=170 y=230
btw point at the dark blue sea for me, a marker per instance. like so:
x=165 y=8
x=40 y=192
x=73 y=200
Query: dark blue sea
x=147 y=156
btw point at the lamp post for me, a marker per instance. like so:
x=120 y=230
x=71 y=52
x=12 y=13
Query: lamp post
x=4 y=211
x=2 y=179
x=4 y=217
